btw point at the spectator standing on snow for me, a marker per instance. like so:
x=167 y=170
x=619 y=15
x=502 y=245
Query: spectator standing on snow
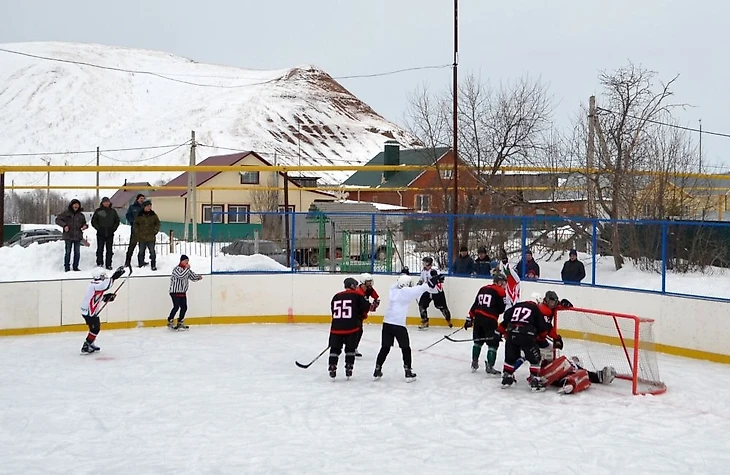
x=532 y=269
x=145 y=229
x=106 y=221
x=132 y=212
x=573 y=270
x=482 y=264
x=463 y=264
x=73 y=223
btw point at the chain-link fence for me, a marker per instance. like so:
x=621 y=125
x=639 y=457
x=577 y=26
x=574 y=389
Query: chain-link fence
x=681 y=258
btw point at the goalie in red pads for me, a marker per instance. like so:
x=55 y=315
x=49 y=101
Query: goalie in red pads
x=570 y=375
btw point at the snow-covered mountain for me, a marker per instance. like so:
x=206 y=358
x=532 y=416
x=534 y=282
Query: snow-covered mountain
x=49 y=106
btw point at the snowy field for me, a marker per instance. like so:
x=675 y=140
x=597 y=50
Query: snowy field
x=229 y=400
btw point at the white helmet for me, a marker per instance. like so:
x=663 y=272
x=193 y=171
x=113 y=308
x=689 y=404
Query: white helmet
x=404 y=281
x=98 y=274
x=365 y=277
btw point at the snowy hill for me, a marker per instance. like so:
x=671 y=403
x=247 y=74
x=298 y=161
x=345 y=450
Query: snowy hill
x=58 y=106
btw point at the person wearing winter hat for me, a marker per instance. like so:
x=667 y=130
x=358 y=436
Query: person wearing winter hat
x=73 y=223
x=106 y=221
x=482 y=264
x=145 y=229
x=132 y=212
x=573 y=270
x=463 y=264
x=179 y=281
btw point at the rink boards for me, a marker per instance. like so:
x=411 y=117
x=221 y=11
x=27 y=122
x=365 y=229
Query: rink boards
x=683 y=326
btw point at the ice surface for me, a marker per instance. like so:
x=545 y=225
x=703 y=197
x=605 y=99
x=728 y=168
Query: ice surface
x=229 y=400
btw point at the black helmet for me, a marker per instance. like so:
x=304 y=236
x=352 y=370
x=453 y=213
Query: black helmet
x=551 y=299
x=428 y=260
x=405 y=270
x=351 y=283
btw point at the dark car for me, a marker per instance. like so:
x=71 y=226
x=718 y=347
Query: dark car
x=30 y=236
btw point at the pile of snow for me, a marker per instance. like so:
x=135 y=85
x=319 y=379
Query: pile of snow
x=54 y=106
x=254 y=263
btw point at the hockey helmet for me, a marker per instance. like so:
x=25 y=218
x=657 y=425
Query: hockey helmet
x=498 y=277
x=551 y=298
x=404 y=281
x=365 y=277
x=428 y=261
x=350 y=283
x=98 y=274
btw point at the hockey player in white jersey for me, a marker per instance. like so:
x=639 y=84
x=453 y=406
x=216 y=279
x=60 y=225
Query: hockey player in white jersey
x=92 y=305
x=435 y=294
x=400 y=296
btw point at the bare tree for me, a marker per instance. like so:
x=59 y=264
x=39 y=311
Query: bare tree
x=267 y=201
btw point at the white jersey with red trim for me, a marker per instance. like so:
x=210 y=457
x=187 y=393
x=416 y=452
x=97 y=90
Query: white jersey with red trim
x=94 y=292
x=426 y=276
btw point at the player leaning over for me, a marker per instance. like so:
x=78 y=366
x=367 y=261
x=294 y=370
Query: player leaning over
x=484 y=314
x=400 y=295
x=366 y=287
x=523 y=325
x=436 y=294
x=572 y=377
x=91 y=305
x=348 y=307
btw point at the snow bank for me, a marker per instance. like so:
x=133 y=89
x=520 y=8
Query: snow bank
x=254 y=263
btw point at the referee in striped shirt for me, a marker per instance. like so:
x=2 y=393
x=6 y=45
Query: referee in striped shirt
x=179 y=281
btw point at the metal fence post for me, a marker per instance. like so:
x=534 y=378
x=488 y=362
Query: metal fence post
x=293 y=256
x=450 y=245
x=664 y=257
x=212 y=223
x=523 y=246
x=594 y=250
x=372 y=243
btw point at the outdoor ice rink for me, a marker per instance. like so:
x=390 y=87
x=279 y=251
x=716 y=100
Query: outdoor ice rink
x=229 y=400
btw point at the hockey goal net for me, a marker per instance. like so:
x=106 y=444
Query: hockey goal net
x=625 y=342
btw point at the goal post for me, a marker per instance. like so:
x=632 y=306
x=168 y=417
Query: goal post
x=623 y=341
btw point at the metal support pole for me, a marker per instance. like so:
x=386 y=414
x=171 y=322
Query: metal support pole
x=2 y=208
x=664 y=257
x=455 y=113
x=594 y=244
x=372 y=243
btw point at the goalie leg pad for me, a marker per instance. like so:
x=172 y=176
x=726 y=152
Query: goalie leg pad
x=556 y=370
x=576 y=382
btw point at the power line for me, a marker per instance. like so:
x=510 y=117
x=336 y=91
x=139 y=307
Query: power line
x=147 y=158
x=666 y=124
x=397 y=71
x=82 y=152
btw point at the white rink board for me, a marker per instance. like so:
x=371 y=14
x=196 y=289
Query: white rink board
x=692 y=324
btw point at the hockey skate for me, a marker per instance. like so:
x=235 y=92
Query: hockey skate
x=491 y=371
x=358 y=354
x=608 y=374
x=86 y=349
x=94 y=347
x=332 y=371
x=410 y=375
x=348 y=371
x=537 y=384
x=181 y=326
x=423 y=325
x=474 y=365
x=507 y=380
x=448 y=321
x=171 y=324
x=378 y=373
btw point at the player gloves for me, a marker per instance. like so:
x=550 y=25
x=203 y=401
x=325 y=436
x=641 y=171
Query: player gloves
x=558 y=343
x=566 y=303
x=405 y=270
x=468 y=323
x=374 y=305
x=118 y=273
x=109 y=297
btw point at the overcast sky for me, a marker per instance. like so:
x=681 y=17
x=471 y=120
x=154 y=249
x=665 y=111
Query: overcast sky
x=566 y=43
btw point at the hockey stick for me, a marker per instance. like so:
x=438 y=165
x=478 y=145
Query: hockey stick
x=117 y=290
x=305 y=366
x=466 y=339
x=441 y=339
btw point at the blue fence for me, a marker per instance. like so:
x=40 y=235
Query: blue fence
x=684 y=258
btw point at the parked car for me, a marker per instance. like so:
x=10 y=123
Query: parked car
x=30 y=236
x=248 y=247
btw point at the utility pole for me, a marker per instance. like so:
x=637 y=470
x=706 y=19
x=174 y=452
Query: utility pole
x=48 y=193
x=455 y=207
x=2 y=208
x=193 y=197
x=590 y=156
x=700 y=145
x=97 y=175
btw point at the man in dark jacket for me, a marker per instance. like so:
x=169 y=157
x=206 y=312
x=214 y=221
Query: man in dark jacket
x=482 y=264
x=145 y=229
x=532 y=269
x=463 y=264
x=73 y=223
x=573 y=270
x=132 y=212
x=106 y=221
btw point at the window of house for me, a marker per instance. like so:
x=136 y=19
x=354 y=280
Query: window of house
x=283 y=209
x=239 y=214
x=249 y=178
x=423 y=203
x=208 y=212
x=446 y=173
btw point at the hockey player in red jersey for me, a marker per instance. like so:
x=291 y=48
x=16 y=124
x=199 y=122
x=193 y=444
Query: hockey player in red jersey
x=572 y=377
x=366 y=287
x=484 y=314
x=348 y=308
x=92 y=305
x=524 y=324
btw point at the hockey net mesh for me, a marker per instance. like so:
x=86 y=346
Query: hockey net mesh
x=625 y=342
